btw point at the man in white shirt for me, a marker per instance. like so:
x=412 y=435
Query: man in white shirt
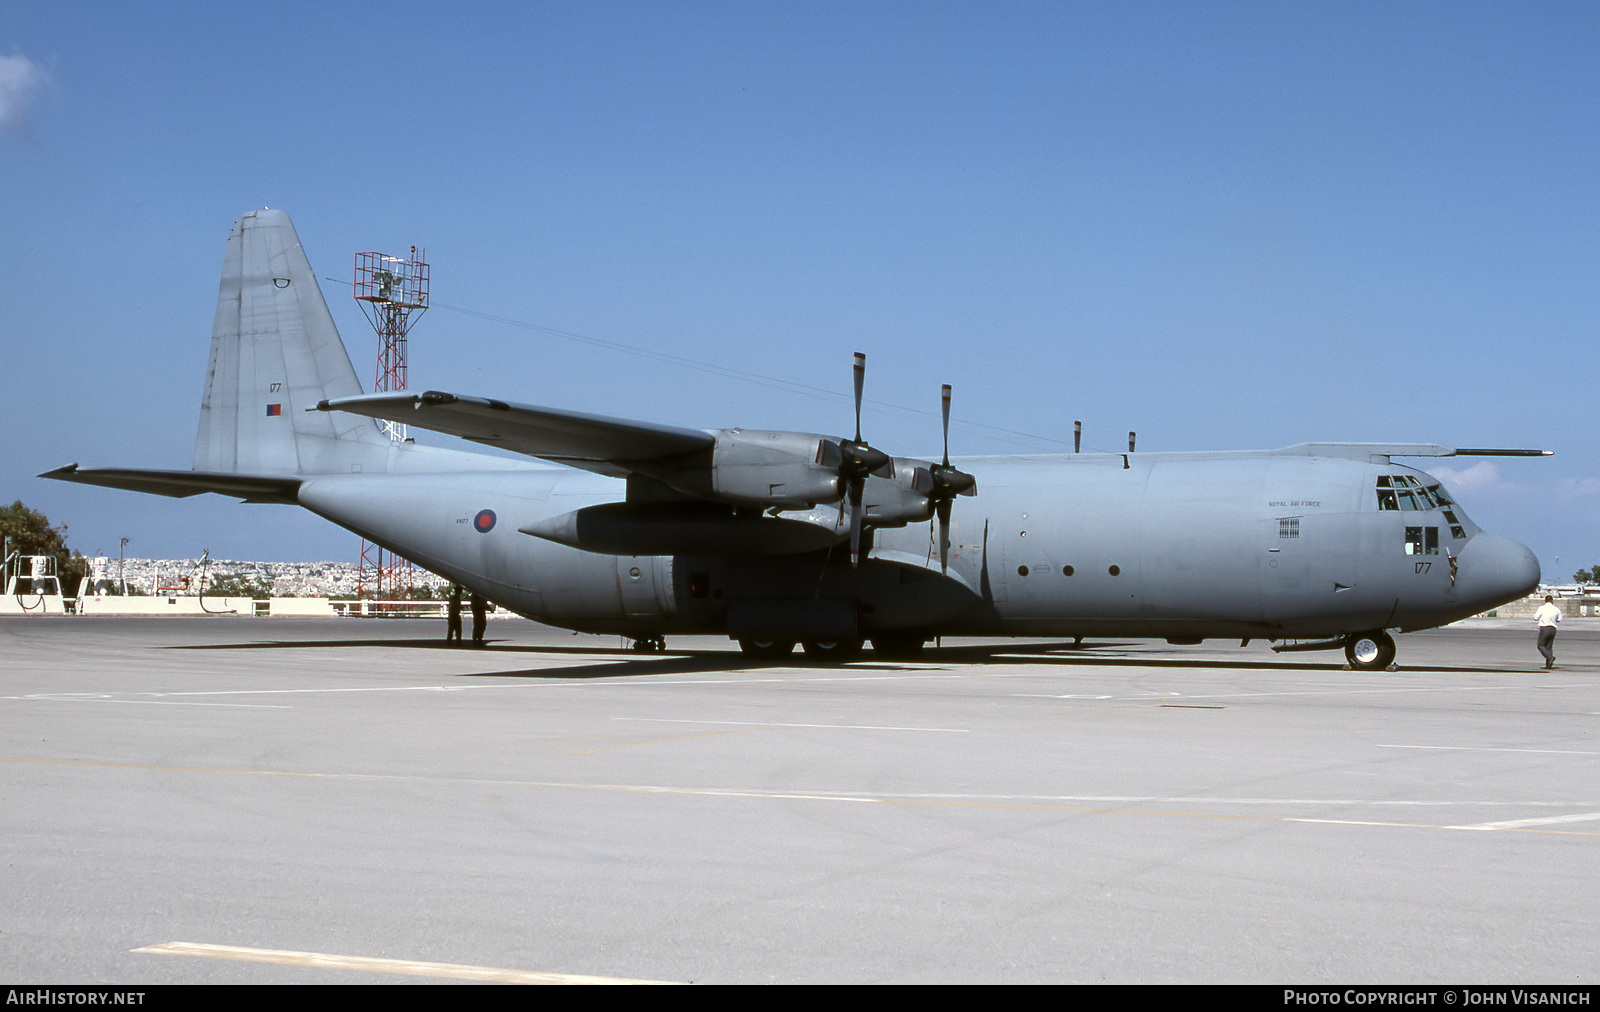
x=1549 y=617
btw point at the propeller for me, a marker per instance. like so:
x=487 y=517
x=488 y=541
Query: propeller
x=948 y=482
x=857 y=460
x=854 y=461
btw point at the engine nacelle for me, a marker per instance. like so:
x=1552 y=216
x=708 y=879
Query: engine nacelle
x=789 y=470
x=901 y=499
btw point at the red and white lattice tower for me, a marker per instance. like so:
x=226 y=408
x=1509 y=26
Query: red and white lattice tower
x=393 y=292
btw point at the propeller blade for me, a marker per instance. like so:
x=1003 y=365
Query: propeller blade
x=861 y=381
x=943 y=506
x=944 y=396
x=855 y=522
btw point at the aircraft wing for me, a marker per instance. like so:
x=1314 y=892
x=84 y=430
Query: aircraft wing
x=592 y=442
x=182 y=484
x=1375 y=451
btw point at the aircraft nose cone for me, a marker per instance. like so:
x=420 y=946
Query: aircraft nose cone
x=1495 y=570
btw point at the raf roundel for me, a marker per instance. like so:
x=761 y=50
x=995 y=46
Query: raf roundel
x=483 y=523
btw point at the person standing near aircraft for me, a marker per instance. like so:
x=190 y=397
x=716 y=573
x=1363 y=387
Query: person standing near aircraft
x=1549 y=617
x=452 y=633
x=480 y=619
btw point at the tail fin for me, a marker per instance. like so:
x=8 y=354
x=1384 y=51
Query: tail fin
x=274 y=354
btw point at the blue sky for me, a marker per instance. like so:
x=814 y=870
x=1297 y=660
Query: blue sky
x=1225 y=226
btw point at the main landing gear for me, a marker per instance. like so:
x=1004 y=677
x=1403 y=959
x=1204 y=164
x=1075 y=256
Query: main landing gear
x=817 y=651
x=899 y=647
x=766 y=650
x=833 y=651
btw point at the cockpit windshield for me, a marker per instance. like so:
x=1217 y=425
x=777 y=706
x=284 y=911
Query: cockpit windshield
x=1407 y=492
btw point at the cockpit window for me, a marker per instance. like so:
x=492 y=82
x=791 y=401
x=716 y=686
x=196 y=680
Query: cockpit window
x=1403 y=492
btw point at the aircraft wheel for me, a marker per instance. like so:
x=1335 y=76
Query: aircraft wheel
x=833 y=651
x=766 y=650
x=1370 y=651
x=899 y=646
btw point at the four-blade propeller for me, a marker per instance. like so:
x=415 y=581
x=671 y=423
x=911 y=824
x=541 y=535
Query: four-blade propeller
x=856 y=461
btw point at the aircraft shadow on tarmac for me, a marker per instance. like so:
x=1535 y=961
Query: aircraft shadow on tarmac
x=1059 y=654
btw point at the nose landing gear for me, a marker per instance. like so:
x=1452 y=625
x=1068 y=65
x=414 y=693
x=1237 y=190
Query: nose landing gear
x=1369 y=651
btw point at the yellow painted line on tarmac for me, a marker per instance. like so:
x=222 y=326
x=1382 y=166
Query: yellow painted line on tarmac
x=370 y=964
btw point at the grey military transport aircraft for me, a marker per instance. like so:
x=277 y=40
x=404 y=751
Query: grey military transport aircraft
x=776 y=538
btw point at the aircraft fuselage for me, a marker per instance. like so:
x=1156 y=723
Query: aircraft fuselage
x=1182 y=546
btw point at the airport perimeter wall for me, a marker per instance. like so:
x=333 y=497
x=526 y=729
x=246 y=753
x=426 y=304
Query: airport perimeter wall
x=1571 y=605
x=179 y=605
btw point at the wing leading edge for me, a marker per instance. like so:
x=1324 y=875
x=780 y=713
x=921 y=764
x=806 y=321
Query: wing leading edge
x=592 y=442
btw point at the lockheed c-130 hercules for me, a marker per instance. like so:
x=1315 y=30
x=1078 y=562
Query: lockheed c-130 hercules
x=776 y=538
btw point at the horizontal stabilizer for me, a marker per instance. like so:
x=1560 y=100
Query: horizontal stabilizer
x=592 y=442
x=182 y=484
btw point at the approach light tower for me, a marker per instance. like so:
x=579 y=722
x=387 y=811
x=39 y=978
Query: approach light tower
x=393 y=292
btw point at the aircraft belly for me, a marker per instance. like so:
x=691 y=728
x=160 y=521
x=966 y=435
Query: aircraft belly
x=790 y=591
